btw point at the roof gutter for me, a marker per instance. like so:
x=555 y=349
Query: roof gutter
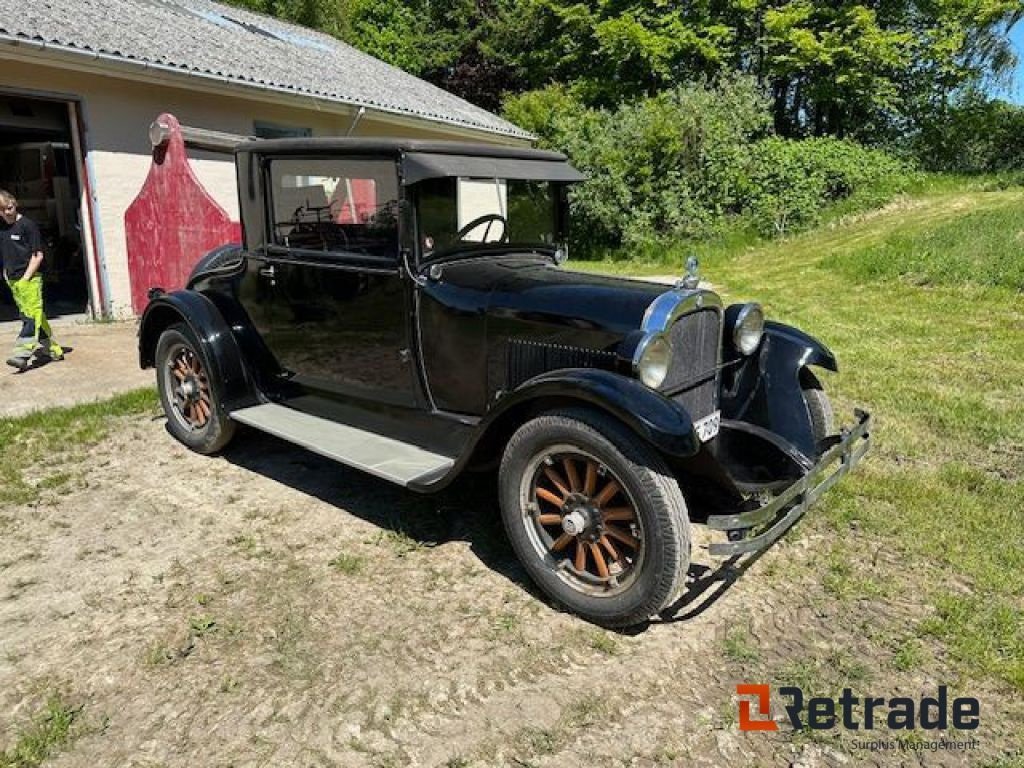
x=121 y=66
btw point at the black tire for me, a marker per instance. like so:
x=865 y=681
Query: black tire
x=819 y=407
x=651 y=547
x=189 y=393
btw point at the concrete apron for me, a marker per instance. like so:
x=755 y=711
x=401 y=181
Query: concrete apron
x=103 y=362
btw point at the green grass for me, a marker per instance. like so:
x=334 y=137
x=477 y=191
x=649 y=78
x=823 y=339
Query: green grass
x=983 y=247
x=982 y=632
x=50 y=730
x=908 y=655
x=1014 y=761
x=923 y=303
x=400 y=542
x=201 y=626
x=603 y=641
x=739 y=646
x=347 y=564
x=39 y=439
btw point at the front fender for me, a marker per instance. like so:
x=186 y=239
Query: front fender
x=215 y=339
x=798 y=348
x=661 y=422
x=766 y=389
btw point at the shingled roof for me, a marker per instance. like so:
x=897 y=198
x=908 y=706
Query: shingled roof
x=225 y=43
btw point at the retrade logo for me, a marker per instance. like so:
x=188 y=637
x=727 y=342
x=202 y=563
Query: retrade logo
x=764 y=708
x=855 y=713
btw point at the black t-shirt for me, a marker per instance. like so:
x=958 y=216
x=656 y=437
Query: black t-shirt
x=18 y=241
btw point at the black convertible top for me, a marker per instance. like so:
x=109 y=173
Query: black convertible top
x=422 y=159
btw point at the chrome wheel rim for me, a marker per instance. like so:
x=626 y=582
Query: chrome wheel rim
x=581 y=521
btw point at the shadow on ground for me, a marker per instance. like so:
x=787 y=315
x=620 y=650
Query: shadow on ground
x=465 y=511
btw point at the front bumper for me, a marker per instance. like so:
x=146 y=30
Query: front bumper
x=787 y=507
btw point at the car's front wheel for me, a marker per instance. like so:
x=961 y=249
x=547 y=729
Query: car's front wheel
x=188 y=392
x=595 y=516
x=819 y=408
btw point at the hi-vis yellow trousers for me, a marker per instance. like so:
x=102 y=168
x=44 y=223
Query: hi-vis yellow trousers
x=35 y=328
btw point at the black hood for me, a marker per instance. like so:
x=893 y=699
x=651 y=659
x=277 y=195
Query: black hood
x=535 y=290
x=518 y=314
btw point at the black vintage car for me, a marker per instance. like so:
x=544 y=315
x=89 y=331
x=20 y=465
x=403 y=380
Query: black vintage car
x=402 y=307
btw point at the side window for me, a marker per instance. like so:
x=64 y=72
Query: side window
x=337 y=205
x=532 y=212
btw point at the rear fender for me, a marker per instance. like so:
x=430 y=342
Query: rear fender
x=213 y=334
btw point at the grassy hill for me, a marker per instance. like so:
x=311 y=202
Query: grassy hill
x=923 y=303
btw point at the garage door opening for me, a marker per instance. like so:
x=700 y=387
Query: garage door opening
x=37 y=166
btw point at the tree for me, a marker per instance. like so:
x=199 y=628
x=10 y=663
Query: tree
x=841 y=68
x=861 y=68
x=442 y=42
x=613 y=51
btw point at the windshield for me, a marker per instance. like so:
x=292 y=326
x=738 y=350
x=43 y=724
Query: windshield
x=461 y=213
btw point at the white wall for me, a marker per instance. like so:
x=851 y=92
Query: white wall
x=117 y=112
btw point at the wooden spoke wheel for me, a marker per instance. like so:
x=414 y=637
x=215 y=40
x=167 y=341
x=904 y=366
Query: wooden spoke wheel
x=595 y=516
x=189 y=386
x=582 y=520
x=188 y=392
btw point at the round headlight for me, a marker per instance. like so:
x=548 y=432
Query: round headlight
x=749 y=329
x=654 y=361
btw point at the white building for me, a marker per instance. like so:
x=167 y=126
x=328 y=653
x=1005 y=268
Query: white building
x=81 y=81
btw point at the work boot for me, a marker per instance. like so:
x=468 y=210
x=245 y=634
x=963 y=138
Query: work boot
x=20 y=359
x=54 y=353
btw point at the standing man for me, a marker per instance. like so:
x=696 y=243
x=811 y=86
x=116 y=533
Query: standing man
x=21 y=250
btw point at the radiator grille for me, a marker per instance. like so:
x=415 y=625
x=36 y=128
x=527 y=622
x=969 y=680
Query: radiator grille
x=526 y=359
x=695 y=359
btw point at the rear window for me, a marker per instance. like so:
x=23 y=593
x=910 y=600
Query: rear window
x=335 y=205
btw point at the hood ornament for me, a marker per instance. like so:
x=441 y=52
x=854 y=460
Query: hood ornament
x=691 y=279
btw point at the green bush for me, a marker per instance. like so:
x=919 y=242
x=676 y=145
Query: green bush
x=685 y=163
x=664 y=166
x=788 y=182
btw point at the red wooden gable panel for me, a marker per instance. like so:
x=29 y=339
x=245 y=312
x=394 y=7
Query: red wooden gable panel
x=172 y=222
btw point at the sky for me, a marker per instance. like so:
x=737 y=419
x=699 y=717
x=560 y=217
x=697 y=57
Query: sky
x=1016 y=93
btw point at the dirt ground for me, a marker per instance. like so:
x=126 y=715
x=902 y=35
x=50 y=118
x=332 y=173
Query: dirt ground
x=103 y=361
x=270 y=608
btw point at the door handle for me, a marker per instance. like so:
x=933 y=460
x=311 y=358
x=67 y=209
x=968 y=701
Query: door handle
x=267 y=271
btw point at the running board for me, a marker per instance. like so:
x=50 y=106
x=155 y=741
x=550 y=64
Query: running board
x=384 y=457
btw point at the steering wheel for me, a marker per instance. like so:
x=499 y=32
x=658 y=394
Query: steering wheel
x=487 y=218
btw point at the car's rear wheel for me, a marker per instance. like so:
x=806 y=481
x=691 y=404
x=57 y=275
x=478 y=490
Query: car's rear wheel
x=595 y=516
x=189 y=394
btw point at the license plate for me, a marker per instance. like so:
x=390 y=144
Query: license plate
x=708 y=426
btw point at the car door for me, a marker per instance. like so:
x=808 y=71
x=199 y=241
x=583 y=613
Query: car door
x=330 y=297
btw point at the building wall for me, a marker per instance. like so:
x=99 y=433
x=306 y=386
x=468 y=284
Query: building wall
x=117 y=112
